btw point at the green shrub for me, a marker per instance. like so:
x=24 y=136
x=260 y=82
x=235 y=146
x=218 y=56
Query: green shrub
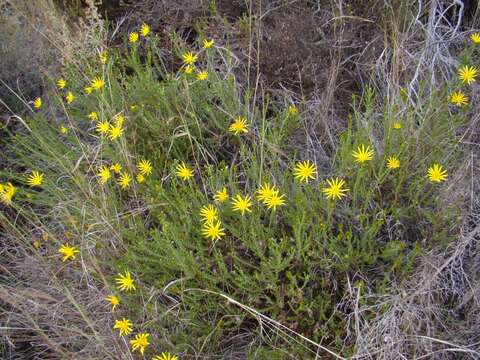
x=295 y=264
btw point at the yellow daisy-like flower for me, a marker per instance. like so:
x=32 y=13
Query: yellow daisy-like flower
x=242 y=204
x=124 y=180
x=305 y=171
x=93 y=116
x=189 y=58
x=37 y=103
x=140 y=178
x=393 y=163
x=103 y=57
x=208 y=213
x=397 y=125
x=104 y=175
x=116 y=168
x=103 y=127
x=61 y=83
x=114 y=132
x=202 y=75
x=184 y=172
x=458 y=98
x=239 y=126
x=145 y=30
x=35 y=178
x=125 y=282
x=88 y=90
x=221 y=195
x=363 y=154
x=97 y=83
x=68 y=252
x=467 y=74
x=119 y=120
x=70 y=97
x=213 y=230
x=292 y=110
x=275 y=200
x=63 y=130
x=188 y=69
x=165 y=356
x=6 y=193
x=113 y=300
x=124 y=326
x=207 y=44
x=133 y=37
x=265 y=192
x=140 y=342
x=145 y=167
x=475 y=37
x=335 y=189
x=436 y=173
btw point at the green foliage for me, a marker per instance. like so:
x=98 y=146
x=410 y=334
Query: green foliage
x=295 y=264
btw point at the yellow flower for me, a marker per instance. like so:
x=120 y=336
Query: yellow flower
x=125 y=282
x=97 y=83
x=61 y=83
x=221 y=195
x=35 y=178
x=115 y=132
x=145 y=167
x=397 y=125
x=63 y=130
x=113 y=300
x=124 y=180
x=265 y=192
x=140 y=178
x=475 y=37
x=212 y=230
x=436 y=173
x=363 y=154
x=393 y=163
x=207 y=44
x=145 y=30
x=165 y=356
x=189 y=58
x=68 y=252
x=119 y=120
x=104 y=175
x=140 y=342
x=335 y=189
x=208 y=213
x=202 y=75
x=103 y=127
x=188 y=69
x=275 y=200
x=133 y=38
x=458 y=98
x=88 y=90
x=239 y=126
x=467 y=74
x=292 y=110
x=184 y=172
x=116 y=168
x=93 y=116
x=124 y=326
x=242 y=204
x=37 y=103
x=70 y=97
x=103 y=57
x=305 y=171
x=6 y=193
